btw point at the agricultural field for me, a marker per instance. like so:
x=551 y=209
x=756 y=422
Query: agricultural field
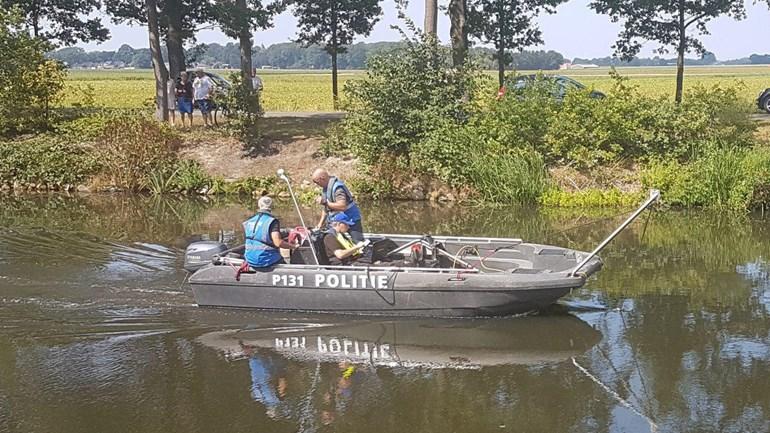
x=311 y=90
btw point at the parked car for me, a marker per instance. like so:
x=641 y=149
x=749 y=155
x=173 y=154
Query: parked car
x=764 y=100
x=561 y=85
x=222 y=84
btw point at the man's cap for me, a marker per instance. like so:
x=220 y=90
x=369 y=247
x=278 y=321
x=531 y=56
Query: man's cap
x=342 y=218
x=265 y=203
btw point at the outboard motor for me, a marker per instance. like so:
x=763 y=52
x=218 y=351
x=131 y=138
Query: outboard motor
x=200 y=254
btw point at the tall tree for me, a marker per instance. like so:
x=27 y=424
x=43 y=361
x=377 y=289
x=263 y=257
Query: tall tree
x=158 y=66
x=673 y=24
x=431 y=17
x=178 y=20
x=61 y=22
x=458 y=32
x=237 y=19
x=333 y=24
x=508 y=25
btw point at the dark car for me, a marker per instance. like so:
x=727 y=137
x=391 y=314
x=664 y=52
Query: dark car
x=222 y=84
x=561 y=85
x=764 y=100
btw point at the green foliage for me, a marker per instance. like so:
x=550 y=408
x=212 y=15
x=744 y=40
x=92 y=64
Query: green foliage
x=64 y=22
x=724 y=178
x=131 y=148
x=334 y=23
x=246 y=186
x=407 y=93
x=244 y=110
x=508 y=25
x=468 y=156
x=586 y=132
x=30 y=84
x=591 y=197
x=46 y=160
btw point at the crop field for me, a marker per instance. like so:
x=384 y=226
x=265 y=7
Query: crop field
x=311 y=90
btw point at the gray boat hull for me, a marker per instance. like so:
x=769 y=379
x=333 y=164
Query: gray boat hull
x=382 y=291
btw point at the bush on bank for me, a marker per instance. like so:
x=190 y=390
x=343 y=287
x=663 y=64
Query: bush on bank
x=107 y=151
x=414 y=115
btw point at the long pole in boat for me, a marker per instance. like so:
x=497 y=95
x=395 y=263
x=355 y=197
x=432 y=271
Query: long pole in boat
x=654 y=195
x=282 y=175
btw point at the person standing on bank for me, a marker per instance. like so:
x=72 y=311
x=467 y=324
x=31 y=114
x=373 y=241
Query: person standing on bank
x=203 y=92
x=171 y=101
x=335 y=199
x=184 y=97
x=263 y=237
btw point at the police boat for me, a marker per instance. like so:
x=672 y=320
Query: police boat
x=408 y=275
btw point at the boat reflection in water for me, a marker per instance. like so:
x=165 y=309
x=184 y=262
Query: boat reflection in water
x=435 y=343
x=306 y=368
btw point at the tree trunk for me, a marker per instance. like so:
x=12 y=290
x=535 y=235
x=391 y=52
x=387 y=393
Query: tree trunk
x=161 y=73
x=680 y=54
x=501 y=44
x=431 y=17
x=244 y=41
x=458 y=32
x=174 y=40
x=335 y=94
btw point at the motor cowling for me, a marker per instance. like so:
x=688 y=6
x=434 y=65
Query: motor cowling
x=200 y=254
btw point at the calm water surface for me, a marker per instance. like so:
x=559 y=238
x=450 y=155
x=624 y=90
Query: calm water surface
x=98 y=333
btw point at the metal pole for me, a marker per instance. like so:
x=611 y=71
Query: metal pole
x=282 y=176
x=654 y=195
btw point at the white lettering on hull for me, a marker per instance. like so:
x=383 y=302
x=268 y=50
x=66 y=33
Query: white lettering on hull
x=333 y=281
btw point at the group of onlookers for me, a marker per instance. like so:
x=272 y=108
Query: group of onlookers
x=184 y=94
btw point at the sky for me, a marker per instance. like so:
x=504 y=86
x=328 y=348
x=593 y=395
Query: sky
x=574 y=31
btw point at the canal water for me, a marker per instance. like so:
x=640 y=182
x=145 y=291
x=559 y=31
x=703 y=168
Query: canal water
x=98 y=333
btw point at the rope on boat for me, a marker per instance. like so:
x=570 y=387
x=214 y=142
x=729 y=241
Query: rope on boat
x=391 y=287
x=625 y=403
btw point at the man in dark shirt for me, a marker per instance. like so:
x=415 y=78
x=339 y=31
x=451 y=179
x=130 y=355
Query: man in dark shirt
x=340 y=247
x=184 y=97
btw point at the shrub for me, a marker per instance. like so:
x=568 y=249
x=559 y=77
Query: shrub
x=30 y=84
x=45 y=160
x=465 y=156
x=725 y=178
x=243 y=109
x=129 y=149
x=407 y=92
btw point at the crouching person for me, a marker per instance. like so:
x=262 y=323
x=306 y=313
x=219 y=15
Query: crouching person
x=263 y=237
x=340 y=247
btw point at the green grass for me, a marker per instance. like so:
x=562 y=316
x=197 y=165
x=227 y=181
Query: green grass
x=308 y=90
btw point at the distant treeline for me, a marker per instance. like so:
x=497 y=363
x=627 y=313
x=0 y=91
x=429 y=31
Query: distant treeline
x=294 y=56
x=283 y=56
x=705 y=60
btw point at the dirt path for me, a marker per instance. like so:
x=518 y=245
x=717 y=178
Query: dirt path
x=291 y=141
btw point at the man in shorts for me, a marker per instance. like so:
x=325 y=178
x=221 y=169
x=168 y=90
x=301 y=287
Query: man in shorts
x=203 y=88
x=184 y=97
